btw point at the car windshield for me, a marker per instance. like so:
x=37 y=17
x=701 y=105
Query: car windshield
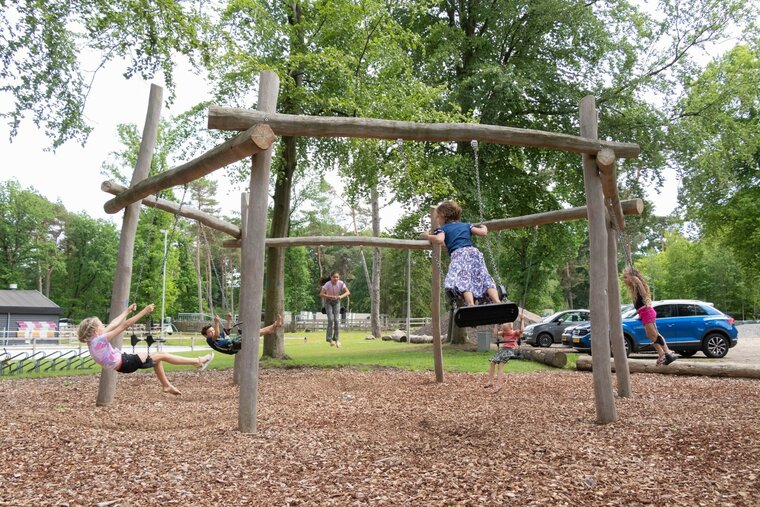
x=551 y=317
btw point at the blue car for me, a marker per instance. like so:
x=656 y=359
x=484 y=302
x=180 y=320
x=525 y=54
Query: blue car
x=689 y=326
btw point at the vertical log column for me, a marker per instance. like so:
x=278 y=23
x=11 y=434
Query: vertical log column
x=598 y=302
x=436 y=302
x=616 y=322
x=123 y=280
x=252 y=265
x=243 y=227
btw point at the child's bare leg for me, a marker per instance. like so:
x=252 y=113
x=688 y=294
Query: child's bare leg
x=493 y=294
x=491 y=368
x=468 y=299
x=180 y=360
x=158 y=368
x=499 y=377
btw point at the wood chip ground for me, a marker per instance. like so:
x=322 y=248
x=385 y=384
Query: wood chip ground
x=382 y=437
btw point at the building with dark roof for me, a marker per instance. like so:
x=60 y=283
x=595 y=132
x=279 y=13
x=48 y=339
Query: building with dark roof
x=24 y=311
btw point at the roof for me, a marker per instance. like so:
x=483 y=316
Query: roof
x=27 y=301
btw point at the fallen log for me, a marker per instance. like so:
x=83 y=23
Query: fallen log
x=730 y=370
x=555 y=358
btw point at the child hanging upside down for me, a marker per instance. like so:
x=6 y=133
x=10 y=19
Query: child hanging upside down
x=467 y=271
x=98 y=339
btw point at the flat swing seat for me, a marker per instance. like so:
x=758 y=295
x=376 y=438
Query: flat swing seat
x=481 y=315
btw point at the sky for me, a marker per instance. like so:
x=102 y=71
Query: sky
x=72 y=174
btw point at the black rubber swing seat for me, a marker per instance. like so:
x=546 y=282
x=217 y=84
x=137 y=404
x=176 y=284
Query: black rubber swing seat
x=482 y=315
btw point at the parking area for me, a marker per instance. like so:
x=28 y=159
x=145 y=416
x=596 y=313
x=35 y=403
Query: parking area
x=746 y=352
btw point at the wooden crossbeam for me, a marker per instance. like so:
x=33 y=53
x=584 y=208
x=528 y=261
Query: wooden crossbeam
x=211 y=221
x=227 y=118
x=254 y=140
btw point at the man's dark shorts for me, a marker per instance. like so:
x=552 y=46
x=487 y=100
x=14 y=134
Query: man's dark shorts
x=130 y=363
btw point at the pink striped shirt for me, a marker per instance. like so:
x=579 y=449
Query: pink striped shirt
x=103 y=353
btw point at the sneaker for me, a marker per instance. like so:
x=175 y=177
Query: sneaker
x=669 y=358
x=660 y=361
x=209 y=358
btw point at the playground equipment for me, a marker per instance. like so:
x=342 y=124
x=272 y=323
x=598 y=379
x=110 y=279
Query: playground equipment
x=598 y=157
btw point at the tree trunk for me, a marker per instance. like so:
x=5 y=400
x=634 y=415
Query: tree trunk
x=376 y=264
x=274 y=344
x=555 y=358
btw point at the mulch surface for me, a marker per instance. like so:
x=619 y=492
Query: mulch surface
x=383 y=437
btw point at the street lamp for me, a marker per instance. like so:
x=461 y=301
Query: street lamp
x=163 y=290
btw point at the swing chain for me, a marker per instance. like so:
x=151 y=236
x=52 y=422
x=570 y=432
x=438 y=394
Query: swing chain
x=492 y=259
x=400 y=144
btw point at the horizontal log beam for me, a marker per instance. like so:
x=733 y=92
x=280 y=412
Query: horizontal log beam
x=407 y=244
x=227 y=118
x=210 y=221
x=552 y=357
x=254 y=140
x=630 y=207
x=681 y=368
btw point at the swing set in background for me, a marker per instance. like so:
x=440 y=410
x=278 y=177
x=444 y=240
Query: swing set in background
x=599 y=160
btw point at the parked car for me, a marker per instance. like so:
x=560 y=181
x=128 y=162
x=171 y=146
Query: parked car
x=549 y=330
x=688 y=325
x=567 y=334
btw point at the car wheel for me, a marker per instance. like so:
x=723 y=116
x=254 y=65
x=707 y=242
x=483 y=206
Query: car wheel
x=686 y=353
x=545 y=340
x=715 y=345
x=628 y=346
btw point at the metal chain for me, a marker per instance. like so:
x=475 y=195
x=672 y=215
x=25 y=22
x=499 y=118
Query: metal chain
x=494 y=271
x=400 y=144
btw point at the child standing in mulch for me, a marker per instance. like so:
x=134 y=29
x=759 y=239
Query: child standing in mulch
x=506 y=341
x=98 y=339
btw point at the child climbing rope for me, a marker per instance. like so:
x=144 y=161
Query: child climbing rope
x=98 y=339
x=467 y=273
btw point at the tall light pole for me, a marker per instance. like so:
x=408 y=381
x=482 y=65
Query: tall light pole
x=163 y=290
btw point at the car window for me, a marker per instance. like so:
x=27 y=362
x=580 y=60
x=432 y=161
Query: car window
x=665 y=311
x=690 y=310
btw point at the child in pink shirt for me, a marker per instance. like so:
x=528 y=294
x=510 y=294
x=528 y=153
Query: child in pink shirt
x=98 y=339
x=506 y=340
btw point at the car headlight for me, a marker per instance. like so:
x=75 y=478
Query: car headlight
x=529 y=331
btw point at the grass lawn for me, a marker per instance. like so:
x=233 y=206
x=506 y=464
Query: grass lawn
x=356 y=352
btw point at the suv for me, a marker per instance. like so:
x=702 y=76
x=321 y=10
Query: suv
x=687 y=325
x=549 y=330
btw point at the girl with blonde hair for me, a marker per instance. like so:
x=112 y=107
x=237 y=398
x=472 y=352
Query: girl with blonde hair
x=98 y=339
x=642 y=300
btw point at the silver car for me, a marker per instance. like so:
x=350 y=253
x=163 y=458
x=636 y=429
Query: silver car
x=549 y=330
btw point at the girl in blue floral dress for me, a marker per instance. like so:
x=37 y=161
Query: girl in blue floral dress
x=467 y=271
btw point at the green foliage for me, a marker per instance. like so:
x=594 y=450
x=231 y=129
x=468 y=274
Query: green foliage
x=42 y=43
x=30 y=227
x=90 y=247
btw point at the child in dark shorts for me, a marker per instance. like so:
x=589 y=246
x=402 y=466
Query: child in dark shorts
x=98 y=339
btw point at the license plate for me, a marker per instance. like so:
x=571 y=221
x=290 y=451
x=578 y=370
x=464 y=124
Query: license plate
x=576 y=340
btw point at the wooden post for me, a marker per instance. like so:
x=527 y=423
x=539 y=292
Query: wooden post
x=598 y=302
x=252 y=264
x=436 y=302
x=122 y=282
x=616 y=322
x=243 y=227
